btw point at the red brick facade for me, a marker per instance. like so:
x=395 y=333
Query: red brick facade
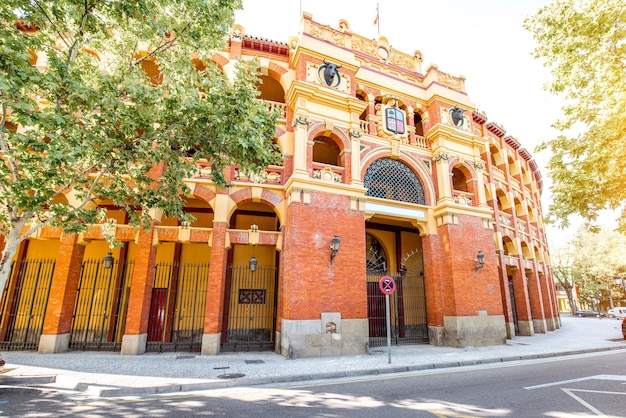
x=254 y=271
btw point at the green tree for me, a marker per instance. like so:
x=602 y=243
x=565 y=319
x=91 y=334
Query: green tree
x=561 y=263
x=583 y=43
x=595 y=258
x=100 y=101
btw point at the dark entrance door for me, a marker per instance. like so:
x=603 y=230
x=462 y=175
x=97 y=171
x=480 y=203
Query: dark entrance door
x=156 y=320
x=376 y=313
x=513 y=308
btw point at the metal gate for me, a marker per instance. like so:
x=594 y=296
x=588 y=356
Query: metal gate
x=101 y=305
x=513 y=307
x=24 y=303
x=176 y=321
x=250 y=309
x=407 y=310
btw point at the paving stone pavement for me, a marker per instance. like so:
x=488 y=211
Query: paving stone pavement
x=107 y=374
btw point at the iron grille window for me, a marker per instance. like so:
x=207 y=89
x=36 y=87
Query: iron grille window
x=391 y=179
x=252 y=296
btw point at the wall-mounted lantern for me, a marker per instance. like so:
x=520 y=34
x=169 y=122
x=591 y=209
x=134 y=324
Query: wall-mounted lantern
x=107 y=260
x=479 y=261
x=334 y=247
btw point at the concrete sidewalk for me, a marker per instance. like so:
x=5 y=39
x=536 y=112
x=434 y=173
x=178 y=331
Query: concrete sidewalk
x=100 y=374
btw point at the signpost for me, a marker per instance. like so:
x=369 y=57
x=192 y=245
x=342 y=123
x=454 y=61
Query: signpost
x=388 y=286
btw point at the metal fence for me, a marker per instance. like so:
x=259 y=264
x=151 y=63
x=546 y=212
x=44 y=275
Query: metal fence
x=101 y=306
x=409 y=324
x=250 y=309
x=24 y=303
x=176 y=319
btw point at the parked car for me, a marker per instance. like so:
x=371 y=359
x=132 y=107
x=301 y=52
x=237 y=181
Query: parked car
x=617 y=312
x=587 y=312
x=624 y=328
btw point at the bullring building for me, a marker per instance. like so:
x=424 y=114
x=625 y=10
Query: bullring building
x=393 y=184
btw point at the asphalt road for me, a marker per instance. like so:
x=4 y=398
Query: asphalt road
x=587 y=385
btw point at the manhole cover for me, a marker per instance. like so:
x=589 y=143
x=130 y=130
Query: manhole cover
x=231 y=376
x=254 y=361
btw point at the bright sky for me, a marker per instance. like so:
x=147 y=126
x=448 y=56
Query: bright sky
x=482 y=40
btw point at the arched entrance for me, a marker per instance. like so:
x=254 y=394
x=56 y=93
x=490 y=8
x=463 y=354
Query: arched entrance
x=409 y=323
x=394 y=248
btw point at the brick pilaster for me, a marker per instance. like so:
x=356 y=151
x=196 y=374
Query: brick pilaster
x=141 y=285
x=522 y=305
x=64 y=286
x=535 y=295
x=62 y=298
x=215 y=291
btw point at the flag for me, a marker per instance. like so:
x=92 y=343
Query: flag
x=376 y=20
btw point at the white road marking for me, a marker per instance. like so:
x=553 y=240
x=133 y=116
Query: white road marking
x=582 y=402
x=580 y=379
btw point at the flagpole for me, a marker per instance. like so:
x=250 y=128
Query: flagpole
x=378 y=17
x=377 y=20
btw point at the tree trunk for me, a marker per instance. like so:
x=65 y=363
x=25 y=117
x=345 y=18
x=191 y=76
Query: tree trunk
x=10 y=248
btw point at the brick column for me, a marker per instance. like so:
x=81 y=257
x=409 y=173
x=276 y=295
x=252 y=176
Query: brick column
x=136 y=332
x=507 y=302
x=410 y=121
x=57 y=325
x=554 y=301
x=522 y=304
x=536 y=302
x=548 y=295
x=211 y=338
x=371 y=111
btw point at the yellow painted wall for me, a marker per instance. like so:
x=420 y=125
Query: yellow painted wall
x=42 y=249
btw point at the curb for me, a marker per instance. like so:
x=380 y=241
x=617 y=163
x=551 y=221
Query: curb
x=96 y=391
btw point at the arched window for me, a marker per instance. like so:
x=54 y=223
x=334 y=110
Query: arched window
x=376 y=258
x=459 y=182
x=393 y=180
x=363 y=97
x=270 y=89
x=419 y=128
x=325 y=151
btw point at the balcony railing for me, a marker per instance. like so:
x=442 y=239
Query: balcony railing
x=328 y=173
x=282 y=107
x=364 y=126
x=421 y=142
x=462 y=198
x=506 y=220
x=271 y=175
x=498 y=174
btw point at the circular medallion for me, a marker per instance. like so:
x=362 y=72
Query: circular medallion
x=383 y=52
